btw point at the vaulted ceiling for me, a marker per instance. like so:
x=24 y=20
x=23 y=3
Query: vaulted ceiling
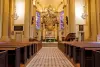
x=57 y=5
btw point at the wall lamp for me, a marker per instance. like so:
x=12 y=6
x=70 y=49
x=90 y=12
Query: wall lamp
x=15 y=15
x=84 y=15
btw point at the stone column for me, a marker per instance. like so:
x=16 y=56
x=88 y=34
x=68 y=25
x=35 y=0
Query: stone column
x=34 y=24
x=41 y=31
x=65 y=20
x=5 y=20
x=59 y=30
x=44 y=32
x=93 y=20
x=1 y=11
x=71 y=16
x=98 y=15
x=11 y=22
x=87 y=25
x=56 y=31
x=27 y=19
x=57 y=26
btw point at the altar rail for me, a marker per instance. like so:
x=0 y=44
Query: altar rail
x=87 y=54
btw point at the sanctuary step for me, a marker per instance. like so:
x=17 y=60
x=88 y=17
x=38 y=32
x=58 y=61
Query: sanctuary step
x=50 y=44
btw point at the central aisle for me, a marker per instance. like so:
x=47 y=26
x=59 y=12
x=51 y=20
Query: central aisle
x=50 y=57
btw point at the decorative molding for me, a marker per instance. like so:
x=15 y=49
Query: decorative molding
x=49 y=18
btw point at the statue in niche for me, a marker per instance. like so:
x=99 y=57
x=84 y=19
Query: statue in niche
x=67 y=20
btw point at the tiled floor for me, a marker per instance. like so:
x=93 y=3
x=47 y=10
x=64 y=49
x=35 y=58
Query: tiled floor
x=50 y=57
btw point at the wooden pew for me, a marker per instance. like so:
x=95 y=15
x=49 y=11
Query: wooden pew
x=23 y=50
x=82 y=52
x=68 y=48
x=61 y=46
x=33 y=47
x=27 y=50
x=78 y=50
x=88 y=56
x=97 y=58
x=3 y=58
x=13 y=56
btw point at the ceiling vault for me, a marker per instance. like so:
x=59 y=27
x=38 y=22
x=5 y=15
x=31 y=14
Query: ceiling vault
x=41 y=5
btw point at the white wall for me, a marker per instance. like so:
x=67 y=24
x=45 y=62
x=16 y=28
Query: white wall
x=79 y=9
x=20 y=10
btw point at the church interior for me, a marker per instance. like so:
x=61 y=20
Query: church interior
x=49 y=33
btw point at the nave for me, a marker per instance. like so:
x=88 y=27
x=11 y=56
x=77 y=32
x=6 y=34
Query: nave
x=26 y=26
x=50 y=57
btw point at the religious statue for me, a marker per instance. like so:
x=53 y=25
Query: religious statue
x=49 y=18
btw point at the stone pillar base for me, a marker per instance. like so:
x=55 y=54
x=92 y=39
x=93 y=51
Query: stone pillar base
x=5 y=38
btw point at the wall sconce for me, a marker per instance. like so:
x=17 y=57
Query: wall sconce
x=84 y=15
x=15 y=15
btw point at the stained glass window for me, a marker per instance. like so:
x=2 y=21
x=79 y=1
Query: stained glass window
x=37 y=20
x=62 y=20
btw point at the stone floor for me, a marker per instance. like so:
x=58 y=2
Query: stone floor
x=50 y=57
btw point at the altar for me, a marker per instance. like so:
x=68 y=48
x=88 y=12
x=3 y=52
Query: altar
x=50 y=36
x=50 y=39
x=49 y=25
